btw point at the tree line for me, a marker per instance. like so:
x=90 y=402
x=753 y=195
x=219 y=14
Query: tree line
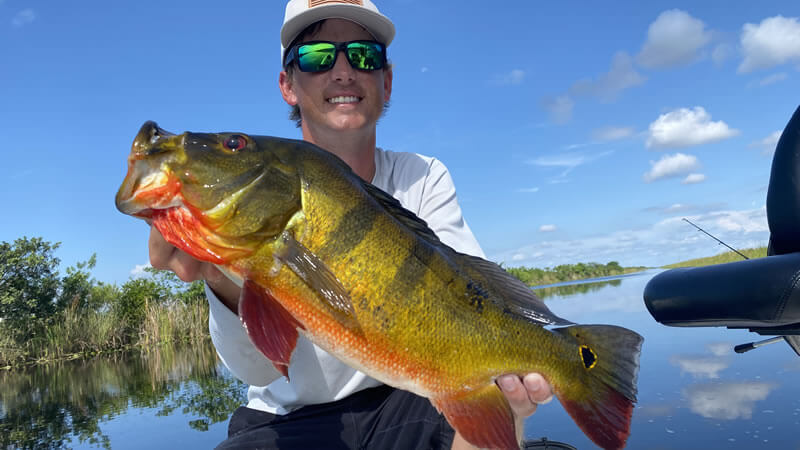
x=45 y=315
x=569 y=272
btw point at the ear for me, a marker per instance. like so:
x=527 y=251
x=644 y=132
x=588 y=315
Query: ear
x=287 y=88
x=387 y=84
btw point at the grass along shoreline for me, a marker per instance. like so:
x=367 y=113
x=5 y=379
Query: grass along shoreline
x=721 y=258
x=75 y=335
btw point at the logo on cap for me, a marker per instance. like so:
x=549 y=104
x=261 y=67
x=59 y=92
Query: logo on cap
x=313 y=3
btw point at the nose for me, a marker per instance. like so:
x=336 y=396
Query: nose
x=342 y=70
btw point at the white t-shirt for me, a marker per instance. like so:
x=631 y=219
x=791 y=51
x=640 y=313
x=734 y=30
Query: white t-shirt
x=423 y=186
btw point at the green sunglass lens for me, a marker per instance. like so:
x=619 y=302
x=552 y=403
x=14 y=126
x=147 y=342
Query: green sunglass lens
x=365 y=56
x=316 y=57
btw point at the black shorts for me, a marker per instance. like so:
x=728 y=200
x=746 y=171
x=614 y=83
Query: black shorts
x=378 y=418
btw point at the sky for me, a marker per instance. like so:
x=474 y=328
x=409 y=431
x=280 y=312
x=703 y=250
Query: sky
x=574 y=131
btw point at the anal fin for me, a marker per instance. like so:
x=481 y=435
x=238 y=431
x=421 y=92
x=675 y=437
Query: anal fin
x=483 y=417
x=272 y=329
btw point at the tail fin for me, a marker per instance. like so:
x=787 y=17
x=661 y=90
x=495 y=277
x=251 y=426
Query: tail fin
x=600 y=399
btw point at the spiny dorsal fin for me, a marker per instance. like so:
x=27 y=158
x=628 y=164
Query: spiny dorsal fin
x=508 y=292
x=406 y=217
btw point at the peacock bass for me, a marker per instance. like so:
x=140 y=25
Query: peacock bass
x=319 y=251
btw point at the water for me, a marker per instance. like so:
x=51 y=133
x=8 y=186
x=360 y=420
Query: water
x=694 y=391
x=164 y=398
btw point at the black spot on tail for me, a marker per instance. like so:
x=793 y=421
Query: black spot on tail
x=588 y=357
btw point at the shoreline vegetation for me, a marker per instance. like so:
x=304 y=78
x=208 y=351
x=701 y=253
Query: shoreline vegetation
x=47 y=317
x=569 y=272
x=722 y=258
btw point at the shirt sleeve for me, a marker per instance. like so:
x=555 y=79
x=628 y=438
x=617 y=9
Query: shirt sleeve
x=234 y=347
x=439 y=208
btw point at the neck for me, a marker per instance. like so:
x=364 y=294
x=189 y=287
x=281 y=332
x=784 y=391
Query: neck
x=356 y=148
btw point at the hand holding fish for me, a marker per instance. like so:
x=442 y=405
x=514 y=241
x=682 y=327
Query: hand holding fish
x=165 y=256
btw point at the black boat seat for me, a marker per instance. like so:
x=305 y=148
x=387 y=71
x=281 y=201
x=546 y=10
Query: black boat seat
x=755 y=293
x=760 y=294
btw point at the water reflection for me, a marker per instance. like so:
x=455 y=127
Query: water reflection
x=55 y=405
x=572 y=289
x=727 y=401
x=701 y=366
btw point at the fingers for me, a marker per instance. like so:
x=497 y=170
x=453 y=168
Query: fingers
x=165 y=256
x=538 y=389
x=524 y=394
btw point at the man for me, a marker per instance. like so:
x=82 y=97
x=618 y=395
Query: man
x=337 y=80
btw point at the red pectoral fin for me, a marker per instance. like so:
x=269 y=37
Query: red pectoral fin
x=270 y=326
x=483 y=417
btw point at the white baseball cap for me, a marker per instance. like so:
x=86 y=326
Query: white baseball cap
x=302 y=13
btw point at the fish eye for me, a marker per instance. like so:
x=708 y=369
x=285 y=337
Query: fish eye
x=235 y=142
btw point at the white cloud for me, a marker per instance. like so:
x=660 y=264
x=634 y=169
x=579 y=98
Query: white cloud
x=776 y=40
x=515 y=77
x=139 y=271
x=24 y=17
x=673 y=39
x=663 y=242
x=518 y=257
x=424 y=69
x=728 y=222
x=547 y=228
x=608 y=86
x=694 y=178
x=701 y=366
x=528 y=190
x=772 y=79
x=612 y=133
x=686 y=127
x=768 y=144
x=727 y=401
x=670 y=166
x=568 y=161
x=559 y=107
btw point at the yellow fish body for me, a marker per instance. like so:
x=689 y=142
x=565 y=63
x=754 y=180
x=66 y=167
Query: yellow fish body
x=319 y=251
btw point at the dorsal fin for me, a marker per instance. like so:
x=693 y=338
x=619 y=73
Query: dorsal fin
x=508 y=292
x=406 y=217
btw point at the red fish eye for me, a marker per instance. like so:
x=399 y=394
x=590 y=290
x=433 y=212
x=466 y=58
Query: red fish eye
x=235 y=142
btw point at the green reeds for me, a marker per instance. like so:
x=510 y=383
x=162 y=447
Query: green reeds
x=722 y=258
x=74 y=334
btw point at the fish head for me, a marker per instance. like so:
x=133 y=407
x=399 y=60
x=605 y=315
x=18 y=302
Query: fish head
x=217 y=196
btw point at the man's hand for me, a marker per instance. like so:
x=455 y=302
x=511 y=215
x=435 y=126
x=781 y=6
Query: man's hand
x=165 y=256
x=523 y=395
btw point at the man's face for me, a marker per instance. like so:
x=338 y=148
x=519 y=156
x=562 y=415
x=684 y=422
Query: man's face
x=342 y=98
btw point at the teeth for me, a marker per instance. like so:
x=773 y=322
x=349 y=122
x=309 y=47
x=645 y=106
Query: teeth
x=343 y=99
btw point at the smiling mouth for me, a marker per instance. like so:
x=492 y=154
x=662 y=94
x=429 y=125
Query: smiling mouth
x=344 y=99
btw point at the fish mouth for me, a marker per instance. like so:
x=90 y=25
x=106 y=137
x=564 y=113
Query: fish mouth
x=149 y=184
x=144 y=191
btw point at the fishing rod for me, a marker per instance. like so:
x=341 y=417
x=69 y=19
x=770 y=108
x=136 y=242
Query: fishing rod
x=712 y=237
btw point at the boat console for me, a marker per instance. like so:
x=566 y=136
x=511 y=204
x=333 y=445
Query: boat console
x=762 y=295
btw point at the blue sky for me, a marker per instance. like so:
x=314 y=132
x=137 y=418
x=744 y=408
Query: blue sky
x=574 y=131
